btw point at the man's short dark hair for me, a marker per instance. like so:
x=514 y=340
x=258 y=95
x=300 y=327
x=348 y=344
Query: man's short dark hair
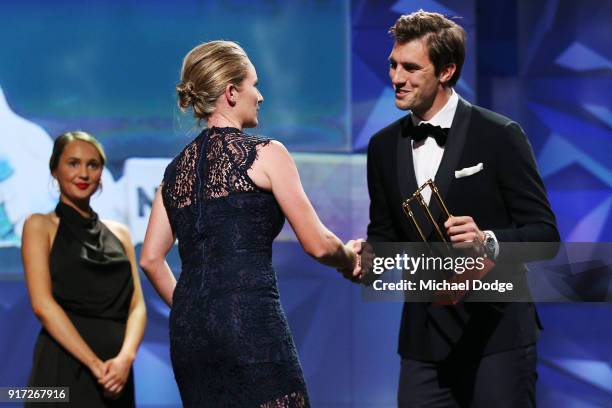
x=445 y=39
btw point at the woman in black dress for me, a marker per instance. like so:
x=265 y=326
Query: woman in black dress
x=84 y=286
x=225 y=197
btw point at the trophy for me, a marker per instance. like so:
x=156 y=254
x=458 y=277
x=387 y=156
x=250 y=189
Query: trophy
x=418 y=196
x=442 y=297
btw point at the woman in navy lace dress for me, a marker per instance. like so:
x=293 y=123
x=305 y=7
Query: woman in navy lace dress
x=225 y=198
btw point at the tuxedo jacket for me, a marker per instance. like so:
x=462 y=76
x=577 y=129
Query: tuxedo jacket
x=507 y=197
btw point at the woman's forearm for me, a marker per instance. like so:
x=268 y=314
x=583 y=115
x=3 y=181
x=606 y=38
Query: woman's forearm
x=332 y=252
x=161 y=278
x=55 y=320
x=134 y=330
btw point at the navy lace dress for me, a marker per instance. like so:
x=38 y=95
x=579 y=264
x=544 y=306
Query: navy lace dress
x=229 y=339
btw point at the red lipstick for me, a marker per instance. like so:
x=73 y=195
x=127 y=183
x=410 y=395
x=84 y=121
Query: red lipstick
x=82 y=186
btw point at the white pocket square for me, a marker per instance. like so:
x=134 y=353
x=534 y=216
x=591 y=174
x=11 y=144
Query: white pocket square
x=468 y=171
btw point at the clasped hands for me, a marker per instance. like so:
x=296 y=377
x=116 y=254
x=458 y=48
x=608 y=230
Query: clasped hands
x=112 y=374
x=461 y=230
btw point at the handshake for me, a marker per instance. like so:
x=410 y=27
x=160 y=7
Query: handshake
x=362 y=263
x=462 y=231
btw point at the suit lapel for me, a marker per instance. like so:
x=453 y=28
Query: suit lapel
x=407 y=178
x=452 y=153
x=405 y=166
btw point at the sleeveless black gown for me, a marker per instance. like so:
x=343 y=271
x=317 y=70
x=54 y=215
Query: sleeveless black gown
x=92 y=281
x=229 y=339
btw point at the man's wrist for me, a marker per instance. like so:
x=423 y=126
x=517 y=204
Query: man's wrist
x=491 y=244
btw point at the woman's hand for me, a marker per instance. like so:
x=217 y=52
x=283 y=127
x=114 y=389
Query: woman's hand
x=354 y=271
x=98 y=369
x=116 y=375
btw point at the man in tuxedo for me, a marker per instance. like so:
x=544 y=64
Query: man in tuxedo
x=468 y=354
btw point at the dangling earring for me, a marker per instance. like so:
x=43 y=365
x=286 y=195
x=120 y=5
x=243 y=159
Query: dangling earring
x=55 y=183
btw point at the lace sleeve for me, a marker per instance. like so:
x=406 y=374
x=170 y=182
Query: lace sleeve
x=221 y=158
x=180 y=178
x=229 y=157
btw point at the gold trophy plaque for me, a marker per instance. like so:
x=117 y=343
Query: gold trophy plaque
x=418 y=197
x=441 y=297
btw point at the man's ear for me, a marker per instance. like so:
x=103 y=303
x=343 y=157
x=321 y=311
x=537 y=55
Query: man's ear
x=230 y=94
x=447 y=73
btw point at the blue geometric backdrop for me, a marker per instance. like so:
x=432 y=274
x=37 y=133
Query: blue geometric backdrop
x=553 y=74
x=110 y=68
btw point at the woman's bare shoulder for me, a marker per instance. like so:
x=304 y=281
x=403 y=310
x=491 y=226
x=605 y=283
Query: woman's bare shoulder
x=41 y=226
x=274 y=150
x=42 y=222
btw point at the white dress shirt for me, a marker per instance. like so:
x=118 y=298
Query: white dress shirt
x=426 y=154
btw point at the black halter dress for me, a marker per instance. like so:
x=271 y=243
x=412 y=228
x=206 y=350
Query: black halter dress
x=91 y=280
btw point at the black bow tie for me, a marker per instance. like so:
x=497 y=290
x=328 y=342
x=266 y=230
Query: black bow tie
x=424 y=130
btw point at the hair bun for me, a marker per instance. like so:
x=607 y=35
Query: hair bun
x=189 y=97
x=206 y=71
x=186 y=94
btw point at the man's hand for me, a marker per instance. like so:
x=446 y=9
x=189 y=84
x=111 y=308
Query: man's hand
x=367 y=264
x=463 y=229
x=465 y=235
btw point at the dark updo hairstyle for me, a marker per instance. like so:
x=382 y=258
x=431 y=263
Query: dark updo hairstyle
x=64 y=139
x=206 y=71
